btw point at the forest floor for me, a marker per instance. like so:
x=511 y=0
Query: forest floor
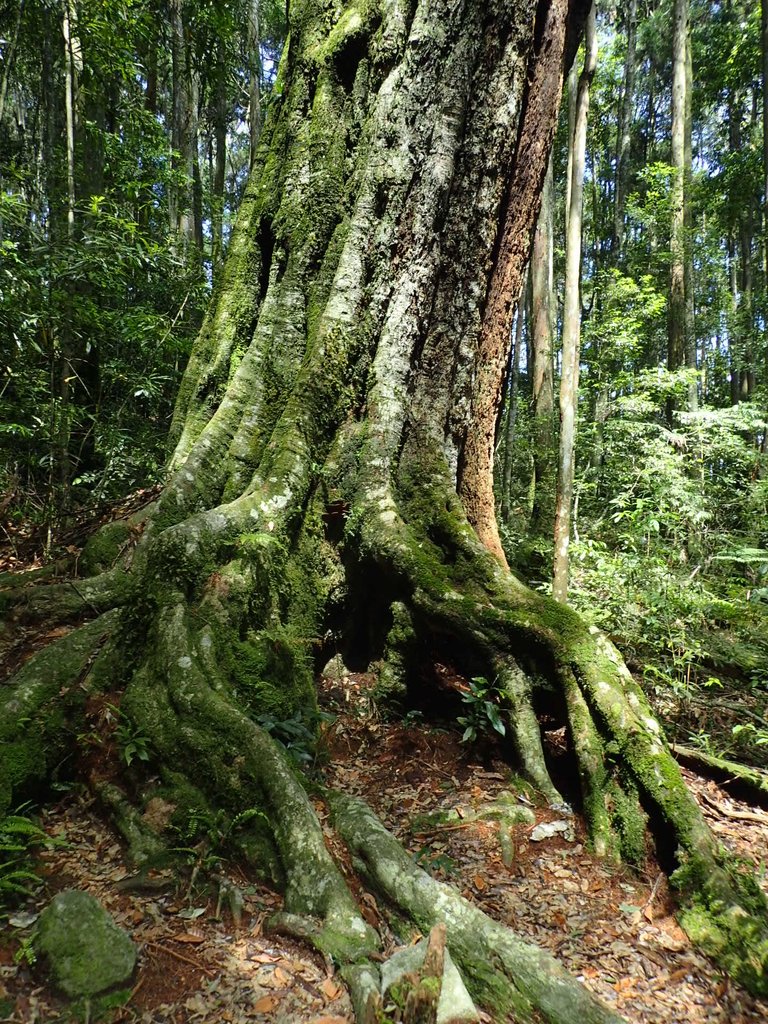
x=614 y=929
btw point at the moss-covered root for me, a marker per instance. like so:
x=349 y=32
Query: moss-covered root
x=42 y=704
x=524 y=729
x=723 y=909
x=502 y=972
x=724 y=912
x=180 y=701
x=54 y=603
x=739 y=779
x=144 y=845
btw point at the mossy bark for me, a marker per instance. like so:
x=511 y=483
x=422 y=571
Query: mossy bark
x=322 y=429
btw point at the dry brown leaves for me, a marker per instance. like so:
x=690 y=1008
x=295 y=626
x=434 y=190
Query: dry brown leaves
x=614 y=930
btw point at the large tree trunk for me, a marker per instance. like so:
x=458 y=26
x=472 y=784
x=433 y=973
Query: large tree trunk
x=321 y=436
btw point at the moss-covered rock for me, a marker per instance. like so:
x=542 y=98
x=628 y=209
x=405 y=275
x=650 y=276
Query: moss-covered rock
x=87 y=953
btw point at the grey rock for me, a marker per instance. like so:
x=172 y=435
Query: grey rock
x=336 y=669
x=86 y=951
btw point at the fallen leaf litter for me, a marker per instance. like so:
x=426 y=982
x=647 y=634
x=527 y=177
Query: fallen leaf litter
x=615 y=930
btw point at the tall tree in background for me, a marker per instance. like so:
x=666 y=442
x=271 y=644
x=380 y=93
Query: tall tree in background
x=110 y=111
x=254 y=78
x=335 y=423
x=678 y=347
x=624 y=129
x=569 y=381
x=542 y=326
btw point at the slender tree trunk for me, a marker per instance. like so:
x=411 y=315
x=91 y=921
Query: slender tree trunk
x=573 y=89
x=220 y=170
x=194 y=157
x=65 y=370
x=183 y=136
x=511 y=410
x=764 y=69
x=569 y=383
x=6 y=77
x=72 y=61
x=746 y=318
x=542 y=369
x=677 y=310
x=691 y=354
x=254 y=82
x=626 y=109
x=734 y=359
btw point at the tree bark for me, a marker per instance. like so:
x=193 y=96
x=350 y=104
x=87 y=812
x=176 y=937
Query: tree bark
x=513 y=385
x=691 y=348
x=183 y=137
x=569 y=383
x=220 y=169
x=321 y=435
x=764 y=70
x=254 y=84
x=626 y=109
x=543 y=395
x=677 y=319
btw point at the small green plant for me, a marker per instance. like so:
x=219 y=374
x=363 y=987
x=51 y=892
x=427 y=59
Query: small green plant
x=751 y=734
x=482 y=712
x=205 y=836
x=133 y=743
x=298 y=734
x=436 y=862
x=20 y=837
x=25 y=954
x=412 y=718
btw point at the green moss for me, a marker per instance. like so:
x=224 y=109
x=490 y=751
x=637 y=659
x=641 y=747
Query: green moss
x=733 y=938
x=23 y=763
x=489 y=988
x=343 y=946
x=629 y=822
x=357 y=22
x=104 y=548
x=272 y=673
x=399 y=657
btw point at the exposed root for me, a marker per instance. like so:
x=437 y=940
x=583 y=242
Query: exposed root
x=628 y=776
x=524 y=728
x=752 y=783
x=144 y=844
x=67 y=601
x=42 y=705
x=190 y=718
x=501 y=971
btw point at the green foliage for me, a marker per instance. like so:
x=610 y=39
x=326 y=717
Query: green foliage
x=433 y=859
x=482 y=710
x=132 y=743
x=206 y=836
x=298 y=733
x=20 y=838
x=101 y=298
